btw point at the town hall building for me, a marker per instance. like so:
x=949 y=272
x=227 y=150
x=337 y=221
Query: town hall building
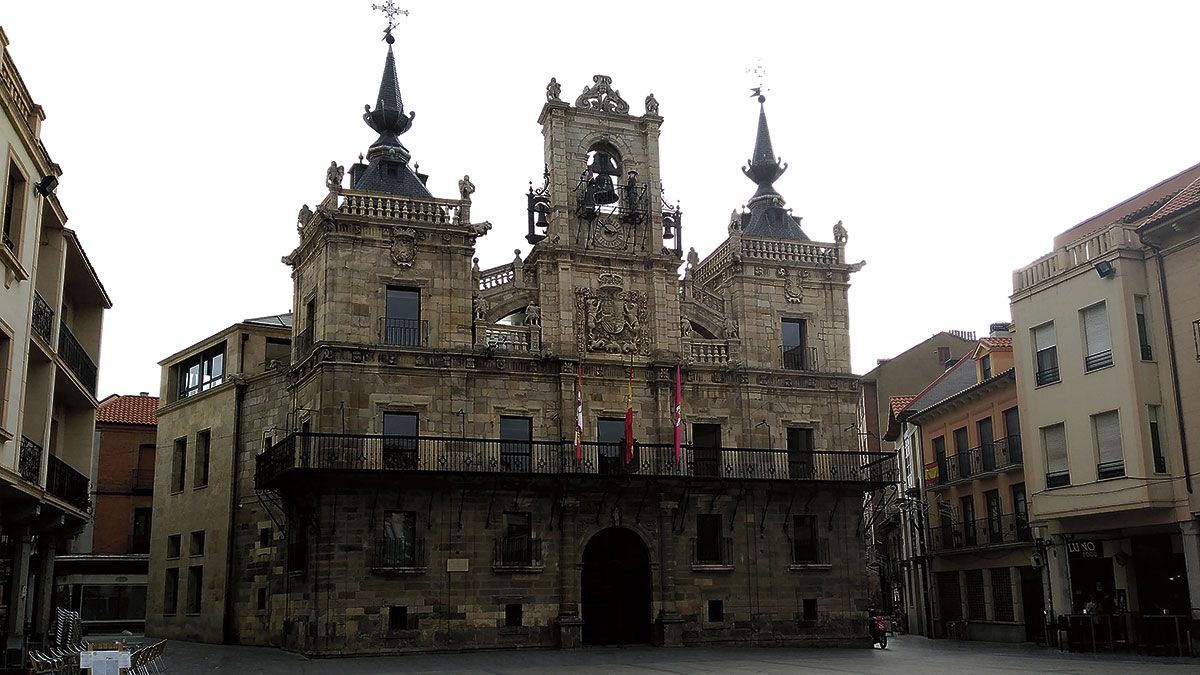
x=425 y=455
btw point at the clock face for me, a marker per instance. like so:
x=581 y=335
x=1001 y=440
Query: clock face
x=609 y=234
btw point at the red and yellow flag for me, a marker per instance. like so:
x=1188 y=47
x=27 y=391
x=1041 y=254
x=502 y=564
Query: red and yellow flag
x=579 y=412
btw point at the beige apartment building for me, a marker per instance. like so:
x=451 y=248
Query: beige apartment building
x=51 y=309
x=1108 y=369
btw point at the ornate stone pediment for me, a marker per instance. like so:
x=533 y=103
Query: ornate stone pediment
x=601 y=96
x=610 y=319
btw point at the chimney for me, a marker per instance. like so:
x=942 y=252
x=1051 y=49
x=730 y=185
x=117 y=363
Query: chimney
x=999 y=329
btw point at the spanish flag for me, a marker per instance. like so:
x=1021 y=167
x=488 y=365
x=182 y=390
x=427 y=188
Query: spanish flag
x=579 y=412
x=629 y=419
x=678 y=408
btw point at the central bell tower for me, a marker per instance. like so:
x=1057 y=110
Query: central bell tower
x=606 y=248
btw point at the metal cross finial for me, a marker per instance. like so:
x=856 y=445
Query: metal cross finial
x=760 y=73
x=391 y=11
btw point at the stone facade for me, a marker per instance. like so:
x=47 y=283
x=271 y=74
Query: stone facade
x=352 y=536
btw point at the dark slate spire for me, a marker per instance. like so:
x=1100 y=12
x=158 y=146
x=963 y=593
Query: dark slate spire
x=767 y=217
x=387 y=160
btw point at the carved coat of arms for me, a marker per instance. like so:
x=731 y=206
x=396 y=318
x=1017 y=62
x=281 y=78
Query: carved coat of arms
x=611 y=319
x=404 y=246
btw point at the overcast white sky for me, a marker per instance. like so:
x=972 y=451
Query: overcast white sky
x=953 y=139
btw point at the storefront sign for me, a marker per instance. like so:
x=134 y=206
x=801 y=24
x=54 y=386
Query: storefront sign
x=931 y=474
x=1085 y=548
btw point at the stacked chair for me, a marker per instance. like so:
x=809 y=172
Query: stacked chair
x=61 y=655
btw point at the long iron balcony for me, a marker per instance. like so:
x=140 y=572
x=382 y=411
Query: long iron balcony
x=328 y=453
x=998 y=530
x=1001 y=454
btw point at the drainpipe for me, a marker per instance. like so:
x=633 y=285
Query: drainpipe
x=230 y=615
x=1166 y=301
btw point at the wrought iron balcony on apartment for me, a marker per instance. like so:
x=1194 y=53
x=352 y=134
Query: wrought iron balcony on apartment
x=67 y=484
x=324 y=454
x=399 y=556
x=76 y=358
x=999 y=455
x=43 y=318
x=1098 y=360
x=1002 y=530
x=712 y=552
x=810 y=552
x=404 y=332
x=515 y=553
x=29 y=464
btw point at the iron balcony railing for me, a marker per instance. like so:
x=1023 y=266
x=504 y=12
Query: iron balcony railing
x=1056 y=479
x=76 y=358
x=999 y=530
x=399 y=554
x=304 y=343
x=323 y=453
x=67 y=484
x=519 y=551
x=712 y=552
x=810 y=552
x=1047 y=376
x=43 y=317
x=29 y=464
x=998 y=455
x=1098 y=360
x=404 y=332
x=799 y=358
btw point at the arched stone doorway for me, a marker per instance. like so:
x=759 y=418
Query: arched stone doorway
x=616 y=588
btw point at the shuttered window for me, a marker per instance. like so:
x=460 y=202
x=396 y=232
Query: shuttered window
x=1054 y=441
x=1107 y=427
x=1046 y=359
x=1098 y=345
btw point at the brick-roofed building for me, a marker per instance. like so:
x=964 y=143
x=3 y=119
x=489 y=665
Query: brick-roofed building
x=104 y=578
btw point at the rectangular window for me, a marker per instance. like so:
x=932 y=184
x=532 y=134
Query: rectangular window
x=1097 y=341
x=203 y=442
x=806 y=547
x=1054 y=444
x=1002 y=594
x=810 y=609
x=976 y=602
x=995 y=530
x=174 y=545
x=708 y=539
x=195 y=586
x=794 y=338
x=400 y=430
x=261 y=604
x=197 y=547
x=5 y=368
x=201 y=372
x=716 y=611
x=706 y=449
x=171 y=591
x=516 y=447
x=144 y=478
x=399 y=545
x=1111 y=459
x=946 y=522
x=949 y=596
x=140 y=539
x=1143 y=327
x=516 y=548
x=987 y=446
x=1021 y=513
x=265 y=537
x=1012 y=435
x=514 y=615
x=1046 y=354
x=962 y=452
x=985 y=366
x=939 y=453
x=800 y=452
x=14 y=208
x=1156 y=445
x=397 y=618
x=970 y=527
x=402 y=325
x=179 y=465
x=279 y=350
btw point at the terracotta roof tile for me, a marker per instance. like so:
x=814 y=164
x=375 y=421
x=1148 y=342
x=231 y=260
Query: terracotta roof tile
x=997 y=344
x=118 y=409
x=899 y=403
x=1187 y=198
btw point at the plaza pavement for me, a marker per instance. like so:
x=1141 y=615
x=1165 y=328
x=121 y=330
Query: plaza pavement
x=905 y=654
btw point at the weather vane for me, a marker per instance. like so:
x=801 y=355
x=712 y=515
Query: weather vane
x=391 y=11
x=759 y=73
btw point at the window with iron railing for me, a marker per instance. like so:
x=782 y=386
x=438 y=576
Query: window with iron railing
x=1054 y=442
x=1097 y=341
x=14 y=208
x=402 y=323
x=43 y=318
x=707 y=547
x=518 y=548
x=1143 y=328
x=1156 y=445
x=795 y=354
x=1045 y=354
x=1106 y=428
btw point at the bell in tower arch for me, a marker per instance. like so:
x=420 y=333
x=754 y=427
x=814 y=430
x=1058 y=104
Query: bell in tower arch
x=602 y=168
